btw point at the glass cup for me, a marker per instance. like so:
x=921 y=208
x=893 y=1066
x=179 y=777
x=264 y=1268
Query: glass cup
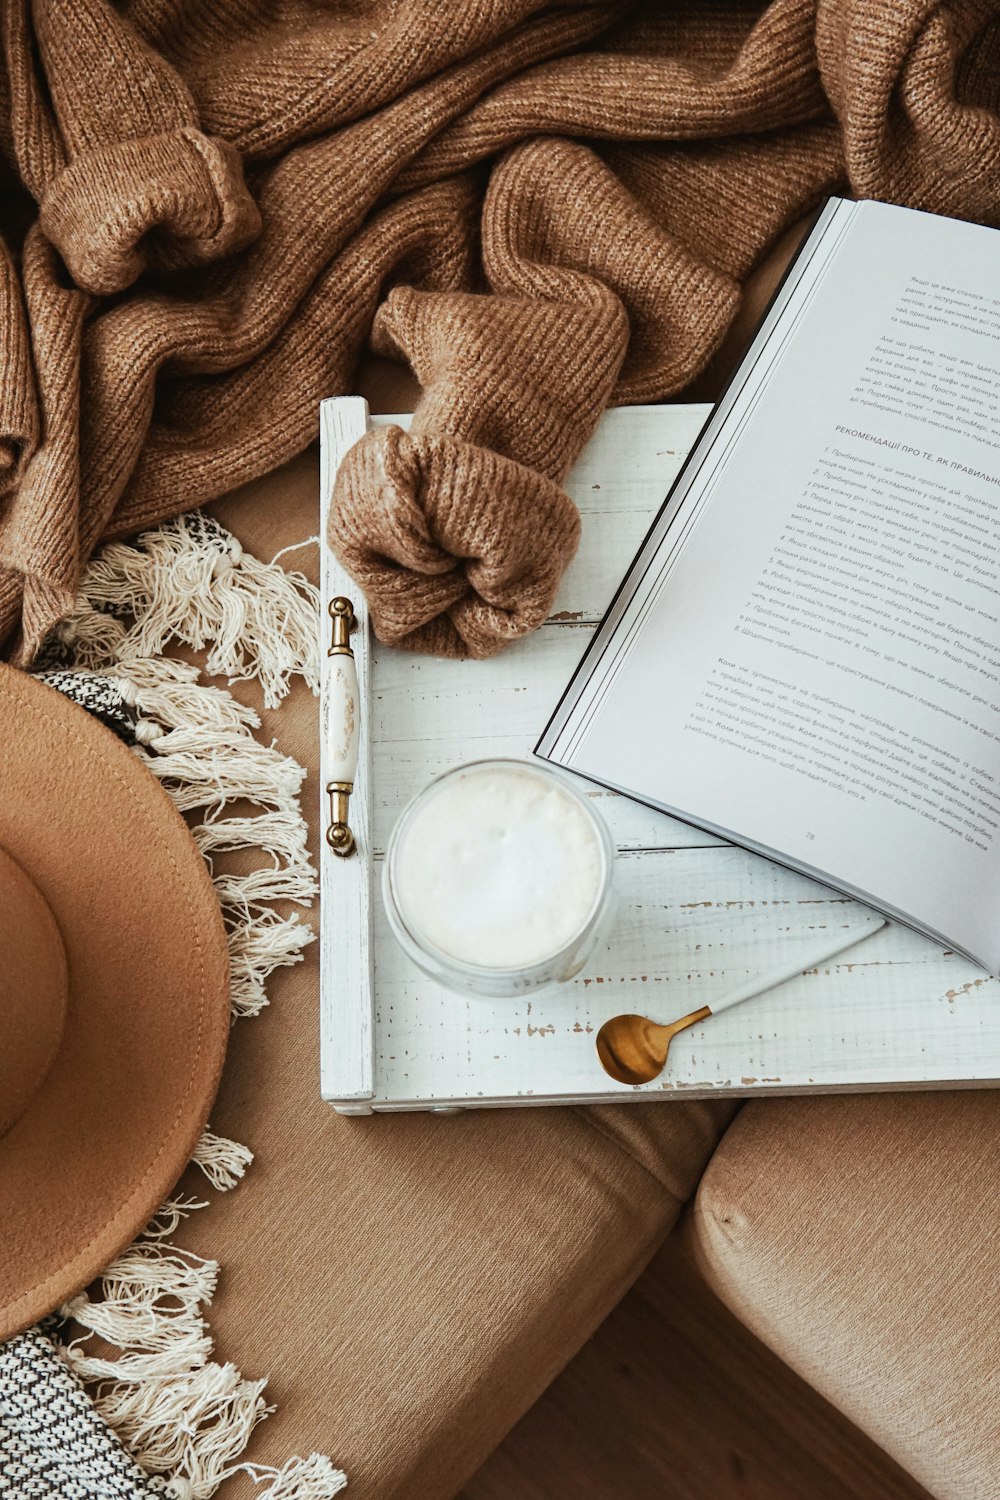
x=497 y=878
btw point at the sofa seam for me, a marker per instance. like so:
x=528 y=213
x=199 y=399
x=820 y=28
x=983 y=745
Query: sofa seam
x=579 y=1111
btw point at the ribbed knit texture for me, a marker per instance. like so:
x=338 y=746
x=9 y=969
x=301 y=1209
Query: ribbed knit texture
x=207 y=209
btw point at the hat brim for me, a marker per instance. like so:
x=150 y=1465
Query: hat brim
x=113 y=1124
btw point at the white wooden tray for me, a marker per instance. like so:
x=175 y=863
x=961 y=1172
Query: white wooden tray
x=696 y=915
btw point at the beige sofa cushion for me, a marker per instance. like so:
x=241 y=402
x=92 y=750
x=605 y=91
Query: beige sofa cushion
x=860 y=1239
x=412 y=1283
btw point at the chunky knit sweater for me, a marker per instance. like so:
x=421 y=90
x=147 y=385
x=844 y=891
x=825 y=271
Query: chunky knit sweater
x=208 y=209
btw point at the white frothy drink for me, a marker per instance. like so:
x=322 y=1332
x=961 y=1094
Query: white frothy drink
x=498 y=865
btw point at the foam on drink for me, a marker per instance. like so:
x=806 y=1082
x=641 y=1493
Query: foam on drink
x=498 y=865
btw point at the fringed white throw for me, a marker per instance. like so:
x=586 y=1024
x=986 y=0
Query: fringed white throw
x=160 y=1416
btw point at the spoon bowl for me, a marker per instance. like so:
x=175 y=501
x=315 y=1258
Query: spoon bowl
x=634 y=1049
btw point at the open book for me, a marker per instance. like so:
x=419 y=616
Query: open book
x=804 y=657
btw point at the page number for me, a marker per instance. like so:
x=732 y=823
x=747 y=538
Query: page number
x=810 y=834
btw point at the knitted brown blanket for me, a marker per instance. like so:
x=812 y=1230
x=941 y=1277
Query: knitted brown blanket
x=208 y=208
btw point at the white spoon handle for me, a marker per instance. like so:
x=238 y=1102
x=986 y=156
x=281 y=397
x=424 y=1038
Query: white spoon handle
x=790 y=969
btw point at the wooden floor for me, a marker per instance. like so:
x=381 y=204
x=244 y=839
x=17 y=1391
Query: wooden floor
x=673 y=1399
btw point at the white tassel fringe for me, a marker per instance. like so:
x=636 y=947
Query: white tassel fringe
x=169 y=1218
x=189 y=1427
x=198 y=743
x=178 y=1412
x=312 y=1478
x=222 y=1161
x=191 y=581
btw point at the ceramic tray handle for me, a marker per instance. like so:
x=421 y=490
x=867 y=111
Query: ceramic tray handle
x=343 y=725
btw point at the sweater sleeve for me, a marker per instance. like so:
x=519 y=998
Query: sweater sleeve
x=108 y=138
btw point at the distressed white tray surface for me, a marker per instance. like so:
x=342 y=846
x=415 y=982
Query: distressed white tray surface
x=696 y=916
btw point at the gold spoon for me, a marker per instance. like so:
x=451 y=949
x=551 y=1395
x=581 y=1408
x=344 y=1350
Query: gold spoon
x=634 y=1049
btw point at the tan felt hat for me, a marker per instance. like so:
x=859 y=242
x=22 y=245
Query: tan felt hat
x=114 y=997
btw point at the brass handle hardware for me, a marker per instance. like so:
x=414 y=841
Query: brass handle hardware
x=343 y=724
x=341 y=612
x=338 y=832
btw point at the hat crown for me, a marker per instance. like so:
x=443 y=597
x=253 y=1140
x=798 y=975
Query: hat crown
x=33 y=990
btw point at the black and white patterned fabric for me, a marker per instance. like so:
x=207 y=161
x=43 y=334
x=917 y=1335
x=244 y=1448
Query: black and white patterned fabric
x=101 y=696
x=53 y=1444
x=199 y=529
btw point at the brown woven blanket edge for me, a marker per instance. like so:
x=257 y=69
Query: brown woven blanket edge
x=208 y=213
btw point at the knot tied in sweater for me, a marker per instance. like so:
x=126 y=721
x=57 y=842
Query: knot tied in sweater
x=458 y=550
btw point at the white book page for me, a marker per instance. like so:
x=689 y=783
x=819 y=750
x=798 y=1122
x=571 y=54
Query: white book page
x=809 y=657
